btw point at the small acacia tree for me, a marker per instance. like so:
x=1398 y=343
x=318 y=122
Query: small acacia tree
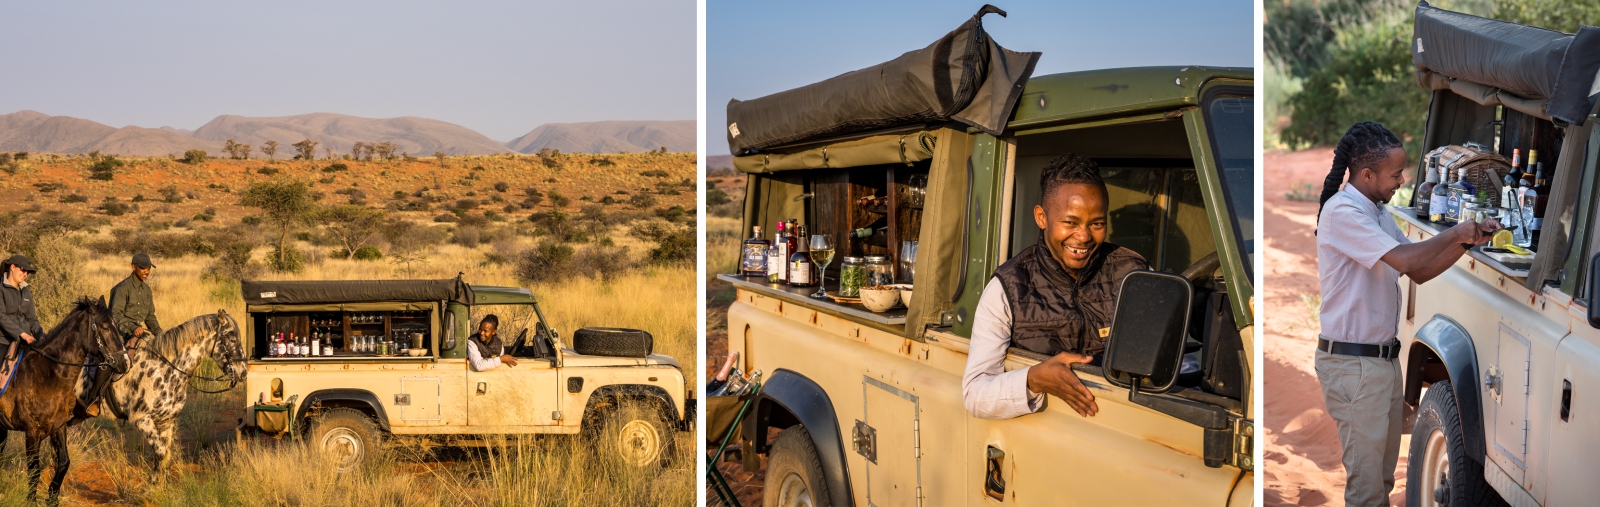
x=269 y=148
x=307 y=149
x=353 y=225
x=439 y=155
x=285 y=205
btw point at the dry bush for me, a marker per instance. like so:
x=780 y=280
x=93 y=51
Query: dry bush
x=61 y=279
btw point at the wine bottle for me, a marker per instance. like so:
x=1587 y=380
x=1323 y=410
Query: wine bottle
x=785 y=248
x=754 y=260
x=801 y=271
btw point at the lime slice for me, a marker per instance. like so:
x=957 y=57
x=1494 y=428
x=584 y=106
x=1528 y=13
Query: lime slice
x=1501 y=239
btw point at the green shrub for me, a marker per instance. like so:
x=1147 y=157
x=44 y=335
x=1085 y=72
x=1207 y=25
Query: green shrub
x=502 y=186
x=267 y=171
x=547 y=262
x=336 y=167
x=1368 y=75
x=112 y=207
x=194 y=157
x=74 y=198
x=368 y=253
x=105 y=168
x=716 y=197
x=293 y=261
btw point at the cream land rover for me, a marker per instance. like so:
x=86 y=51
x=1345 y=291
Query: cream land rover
x=390 y=360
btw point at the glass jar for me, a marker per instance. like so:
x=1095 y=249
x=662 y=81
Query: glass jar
x=852 y=277
x=879 y=271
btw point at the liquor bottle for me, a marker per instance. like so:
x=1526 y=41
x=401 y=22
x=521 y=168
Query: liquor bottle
x=785 y=248
x=283 y=346
x=1437 y=206
x=1539 y=195
x=1424 y=191
x=272 y=346
x=1459 y=193
x=1527 y=172
x=754 y=260
x=801 y=272
x=316 y=345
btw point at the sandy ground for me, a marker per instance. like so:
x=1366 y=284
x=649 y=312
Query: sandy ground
x=1302 y=443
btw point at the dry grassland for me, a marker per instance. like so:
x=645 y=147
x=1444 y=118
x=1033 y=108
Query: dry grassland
x=108 y=456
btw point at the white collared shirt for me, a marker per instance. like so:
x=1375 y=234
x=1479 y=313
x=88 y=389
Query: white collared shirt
x=1360 y=293
x=987 y=389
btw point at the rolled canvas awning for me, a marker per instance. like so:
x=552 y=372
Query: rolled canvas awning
x=964 y=76
x=890 y=148
x=354 y=291
x=1541 y=72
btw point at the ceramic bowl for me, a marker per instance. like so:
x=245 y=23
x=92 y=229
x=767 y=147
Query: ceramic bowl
x=417 y=352
x=879 y=300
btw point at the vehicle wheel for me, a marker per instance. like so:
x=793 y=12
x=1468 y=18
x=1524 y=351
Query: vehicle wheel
x=635 y=434
x=346 y=436
x=1438 y=471
x=612 y=341
x=794 y=472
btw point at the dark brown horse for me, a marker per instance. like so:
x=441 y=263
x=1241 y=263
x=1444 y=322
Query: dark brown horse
x=40 y=400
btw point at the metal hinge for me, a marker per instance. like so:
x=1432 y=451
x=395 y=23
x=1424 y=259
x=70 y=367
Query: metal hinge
x=1524 y=438
x=919 y=496
x=916 y=444
x=1244 y=437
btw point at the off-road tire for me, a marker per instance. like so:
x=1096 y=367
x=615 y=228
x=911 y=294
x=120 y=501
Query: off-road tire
x=635 y=434
x=794 y=472
x=1439 y=424
x=346 y=436
x=612 y=341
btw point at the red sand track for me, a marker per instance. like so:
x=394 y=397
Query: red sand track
x=1302 y=445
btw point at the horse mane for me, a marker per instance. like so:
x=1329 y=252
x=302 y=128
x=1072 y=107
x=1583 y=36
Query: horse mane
x=83 y=306
x=175 y=340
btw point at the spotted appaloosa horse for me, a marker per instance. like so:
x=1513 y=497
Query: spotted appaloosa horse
x=40 y=400
x=156 y=385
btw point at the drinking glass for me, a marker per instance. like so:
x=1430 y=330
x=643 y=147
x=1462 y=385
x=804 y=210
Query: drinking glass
x=822 y=255
x=908 y=260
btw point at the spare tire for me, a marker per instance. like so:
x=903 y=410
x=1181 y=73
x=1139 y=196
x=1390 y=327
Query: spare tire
x=612 y=341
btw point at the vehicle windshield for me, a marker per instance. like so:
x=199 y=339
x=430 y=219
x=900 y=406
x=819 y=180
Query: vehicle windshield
x=1231 y=120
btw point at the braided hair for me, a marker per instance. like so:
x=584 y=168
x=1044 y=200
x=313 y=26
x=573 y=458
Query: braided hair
x=1364 y=144
x=1070 y=168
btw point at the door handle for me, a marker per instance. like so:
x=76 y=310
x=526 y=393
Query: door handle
x=483 y=388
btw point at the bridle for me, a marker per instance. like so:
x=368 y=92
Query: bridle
x=231 y=378
x=99 y=340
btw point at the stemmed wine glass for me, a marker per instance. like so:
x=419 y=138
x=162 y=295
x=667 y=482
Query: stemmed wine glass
x=822 y=254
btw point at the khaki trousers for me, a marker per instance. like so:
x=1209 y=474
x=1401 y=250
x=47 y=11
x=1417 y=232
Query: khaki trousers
x=1366 y=400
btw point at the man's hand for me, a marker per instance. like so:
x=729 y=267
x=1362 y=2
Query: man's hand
x=27 y=338
x=1055 y=377
x=507 y=360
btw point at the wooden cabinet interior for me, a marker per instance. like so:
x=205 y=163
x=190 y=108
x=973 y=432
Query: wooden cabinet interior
x=834 y=210
x=1524 y=132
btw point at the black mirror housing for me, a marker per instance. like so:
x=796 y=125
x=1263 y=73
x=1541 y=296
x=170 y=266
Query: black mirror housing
x=1147 y=331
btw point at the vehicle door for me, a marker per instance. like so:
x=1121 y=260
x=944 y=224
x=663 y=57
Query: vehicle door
x=1181 y=189
x=508 y=396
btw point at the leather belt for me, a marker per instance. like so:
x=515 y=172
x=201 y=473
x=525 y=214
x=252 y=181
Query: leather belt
x=1389 y=350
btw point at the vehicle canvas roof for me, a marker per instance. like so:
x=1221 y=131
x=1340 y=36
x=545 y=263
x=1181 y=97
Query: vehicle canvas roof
x=964 y=76
x=1544 y=73
x=355 y=291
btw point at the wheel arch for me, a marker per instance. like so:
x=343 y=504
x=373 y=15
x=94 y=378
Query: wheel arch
x=1443 y=350
x=789 y=398
x=359 y=399
x=593 y=408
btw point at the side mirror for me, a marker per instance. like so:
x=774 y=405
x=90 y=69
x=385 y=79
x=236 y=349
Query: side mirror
x=1145 y=348
x=1594 y=289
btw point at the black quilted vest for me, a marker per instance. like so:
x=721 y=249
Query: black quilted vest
x=1053 y=313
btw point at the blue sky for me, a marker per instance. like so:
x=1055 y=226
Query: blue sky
x=500 y=68
x=758 y=48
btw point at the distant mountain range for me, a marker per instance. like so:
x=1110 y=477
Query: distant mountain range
x=38 y=132
x=608 y=137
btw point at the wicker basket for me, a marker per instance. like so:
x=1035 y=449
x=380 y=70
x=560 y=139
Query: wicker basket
x=1485 y=170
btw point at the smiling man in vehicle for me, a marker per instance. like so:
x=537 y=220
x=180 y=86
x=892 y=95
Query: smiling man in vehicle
x=1055 y=298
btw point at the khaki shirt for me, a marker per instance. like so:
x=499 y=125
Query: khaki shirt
x=133 y=306
x=1360 y=293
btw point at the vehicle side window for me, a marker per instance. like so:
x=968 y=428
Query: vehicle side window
x=514 y=319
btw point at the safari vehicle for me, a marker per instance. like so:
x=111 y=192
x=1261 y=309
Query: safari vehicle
x=1502 y=359
x=870 y=404
x=350 y=398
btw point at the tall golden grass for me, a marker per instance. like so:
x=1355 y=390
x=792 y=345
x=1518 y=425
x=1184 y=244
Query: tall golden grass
x=109 y=459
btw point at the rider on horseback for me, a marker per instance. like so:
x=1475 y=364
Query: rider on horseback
x=18 y=320
x=133 y=310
